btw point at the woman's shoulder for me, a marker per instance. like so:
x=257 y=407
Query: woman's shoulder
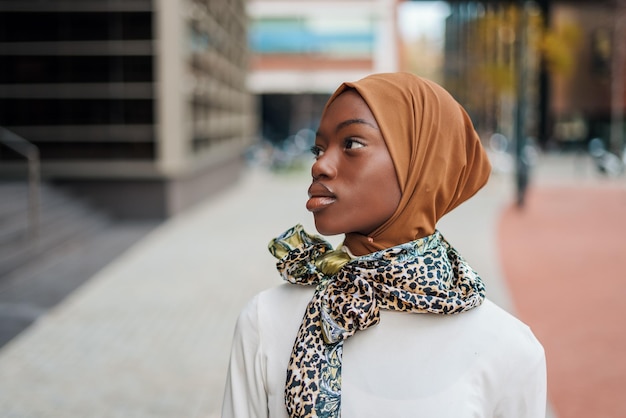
x=275 y=308
x=285 y=298
x=507 y=322
x=487 y=333
x=280 y=297
x=505 y=332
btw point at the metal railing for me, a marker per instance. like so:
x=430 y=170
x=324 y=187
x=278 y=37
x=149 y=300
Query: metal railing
x=31 y=153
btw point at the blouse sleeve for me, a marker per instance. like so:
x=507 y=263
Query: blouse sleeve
x=245 y=394
x=527 y=392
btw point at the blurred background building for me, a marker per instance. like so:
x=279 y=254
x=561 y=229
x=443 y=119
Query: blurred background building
x=571 y=56
x=567 y=55
x=146 y=99
x=140 y=105
x=302 y=49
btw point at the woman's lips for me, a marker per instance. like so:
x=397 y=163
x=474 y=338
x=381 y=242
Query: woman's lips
x=319 y=197
x=315 y=204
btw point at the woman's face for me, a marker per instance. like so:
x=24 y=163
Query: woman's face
x=355 y=187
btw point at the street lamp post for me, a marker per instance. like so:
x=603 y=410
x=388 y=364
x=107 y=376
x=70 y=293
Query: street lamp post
x=618 y=68
x=521 y=162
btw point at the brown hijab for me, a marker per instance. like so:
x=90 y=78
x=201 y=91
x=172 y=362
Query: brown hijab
x=437 y=154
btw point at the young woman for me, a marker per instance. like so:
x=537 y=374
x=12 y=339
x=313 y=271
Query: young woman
x=394 y=323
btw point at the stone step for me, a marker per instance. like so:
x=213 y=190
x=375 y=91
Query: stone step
x=14 y=197
x=15 y=229
x=62 y=219
x=29 y=291
x=74 y=242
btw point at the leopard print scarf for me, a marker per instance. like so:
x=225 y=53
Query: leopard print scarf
x=423 y=276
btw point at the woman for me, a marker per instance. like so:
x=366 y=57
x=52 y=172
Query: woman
x=394 y=323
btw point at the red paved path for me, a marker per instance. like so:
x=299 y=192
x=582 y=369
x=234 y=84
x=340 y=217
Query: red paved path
x=564 y=259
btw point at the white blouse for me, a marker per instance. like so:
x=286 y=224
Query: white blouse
x=481 y=363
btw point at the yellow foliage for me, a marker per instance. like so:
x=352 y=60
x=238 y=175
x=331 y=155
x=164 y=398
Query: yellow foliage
x=497 y=77
x=558 y=47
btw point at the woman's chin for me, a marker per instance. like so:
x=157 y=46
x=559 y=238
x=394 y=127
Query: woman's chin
x=327 y=230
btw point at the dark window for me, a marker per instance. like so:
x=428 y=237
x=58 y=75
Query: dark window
x=96 y=151
x=23 y=69
x=86 y=151
x=51 y=26
x=24 y=112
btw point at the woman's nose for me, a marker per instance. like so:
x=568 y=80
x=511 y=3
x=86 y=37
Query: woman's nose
x=325 y=166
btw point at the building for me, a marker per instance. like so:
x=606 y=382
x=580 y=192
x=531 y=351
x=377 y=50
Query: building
x=140 y=105
x=570 y=63
x=302 y=49
x=588 y=97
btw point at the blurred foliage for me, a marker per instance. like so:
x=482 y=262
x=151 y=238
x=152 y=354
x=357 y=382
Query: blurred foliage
x=493 y=50
x=486 y=80
x=558 y=48
x=495 y=36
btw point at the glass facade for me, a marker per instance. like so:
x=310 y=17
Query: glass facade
x=345 y=37
x=220 y=105
x=66 y=75
x=83 y=80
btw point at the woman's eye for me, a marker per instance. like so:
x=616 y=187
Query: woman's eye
x=316 y=151
x=352 y=144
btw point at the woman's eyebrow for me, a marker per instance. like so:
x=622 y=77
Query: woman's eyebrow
x=349 y=122
x=353 y=121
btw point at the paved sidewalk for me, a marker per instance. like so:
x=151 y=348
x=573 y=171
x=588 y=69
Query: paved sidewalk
x=149 y=335
x=563 y=258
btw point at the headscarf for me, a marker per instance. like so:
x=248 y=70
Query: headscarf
x=436 y=152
